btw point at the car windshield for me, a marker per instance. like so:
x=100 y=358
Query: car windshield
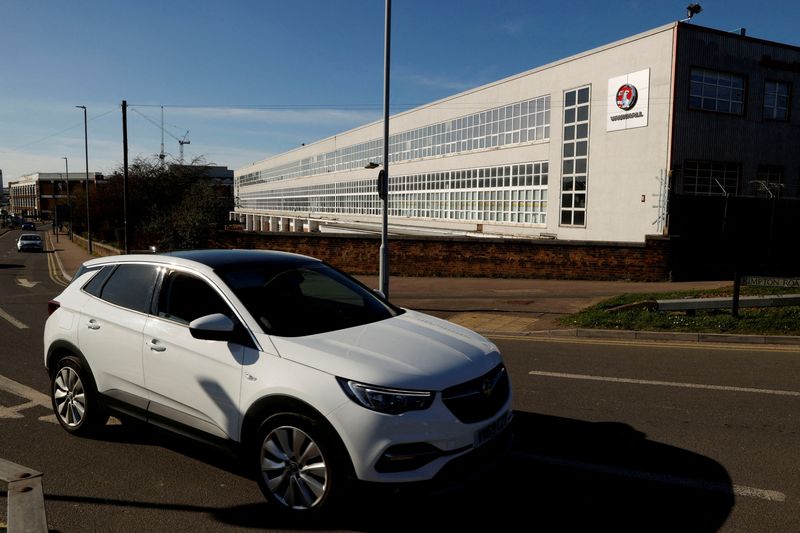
x=307 y=300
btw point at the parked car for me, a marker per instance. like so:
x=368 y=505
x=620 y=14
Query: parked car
x=314 y=378
x=28 y=226
x=30 y=242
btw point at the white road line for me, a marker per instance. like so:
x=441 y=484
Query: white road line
x=34 y=397
x=664 y=383
x=14 y=322
x=715 y=486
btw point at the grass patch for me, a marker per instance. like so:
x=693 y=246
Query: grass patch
x=754 y=321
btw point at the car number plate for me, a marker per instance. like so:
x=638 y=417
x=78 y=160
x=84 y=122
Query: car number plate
x=488 y=432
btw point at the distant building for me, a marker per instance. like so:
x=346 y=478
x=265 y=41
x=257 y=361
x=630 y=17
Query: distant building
x=35 y=196
x=590 y=148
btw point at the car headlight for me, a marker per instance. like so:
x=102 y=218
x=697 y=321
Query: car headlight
x=383 y=400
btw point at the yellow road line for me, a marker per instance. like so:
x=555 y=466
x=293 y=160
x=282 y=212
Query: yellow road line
x=52 y=265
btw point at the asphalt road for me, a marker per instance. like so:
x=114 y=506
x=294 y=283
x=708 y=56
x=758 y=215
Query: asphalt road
x=609 y=436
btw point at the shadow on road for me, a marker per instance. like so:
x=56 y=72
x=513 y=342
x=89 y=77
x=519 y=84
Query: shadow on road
x=560 y=474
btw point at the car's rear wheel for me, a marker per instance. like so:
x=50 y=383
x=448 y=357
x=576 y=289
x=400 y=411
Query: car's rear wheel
x=74 y=397
x=300 y=464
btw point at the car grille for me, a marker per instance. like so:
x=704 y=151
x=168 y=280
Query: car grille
x=480 y=398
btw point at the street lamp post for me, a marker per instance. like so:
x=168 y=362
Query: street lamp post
x=86 y=145
x=383 y=177
x=69 y=200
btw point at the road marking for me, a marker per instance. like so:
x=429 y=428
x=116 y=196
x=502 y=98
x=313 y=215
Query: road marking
x=689 y=345
x=23 y=282
x=14 y=322
x=34 y=397
x=56 y=269
x=715 y=486
x=663 y=383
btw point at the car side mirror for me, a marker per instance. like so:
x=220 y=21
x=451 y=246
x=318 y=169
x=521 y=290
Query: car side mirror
x=216 y=327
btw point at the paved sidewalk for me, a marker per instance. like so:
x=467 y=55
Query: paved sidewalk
x=506 y=306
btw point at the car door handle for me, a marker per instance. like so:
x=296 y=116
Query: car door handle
x=93 y=324
x=155 y=346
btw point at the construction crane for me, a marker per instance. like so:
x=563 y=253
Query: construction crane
x=183 y=141
x=161 y=154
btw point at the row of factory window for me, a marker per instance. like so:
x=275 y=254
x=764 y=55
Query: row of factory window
x=511 y=193
x=520 y=122
x=724 y=92
x=718 y=178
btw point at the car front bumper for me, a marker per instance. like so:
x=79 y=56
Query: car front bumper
x=416 y=445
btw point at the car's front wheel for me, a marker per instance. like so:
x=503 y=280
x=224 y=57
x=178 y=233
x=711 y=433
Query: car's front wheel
x=74 y=398
x=300 y=464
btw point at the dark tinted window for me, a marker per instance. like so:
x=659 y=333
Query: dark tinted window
x=306 y=300
x=184 y=298
x=95 y=285
x=131 y=286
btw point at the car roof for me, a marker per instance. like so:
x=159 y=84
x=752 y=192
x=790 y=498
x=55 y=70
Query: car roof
x=34 y=235
x=217 y=260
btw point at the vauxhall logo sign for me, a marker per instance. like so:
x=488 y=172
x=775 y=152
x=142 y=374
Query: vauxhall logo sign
x=628 y=97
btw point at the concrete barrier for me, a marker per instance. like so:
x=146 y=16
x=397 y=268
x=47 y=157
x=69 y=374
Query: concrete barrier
x=25 y=498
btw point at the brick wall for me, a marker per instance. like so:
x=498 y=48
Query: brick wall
x=470 y=257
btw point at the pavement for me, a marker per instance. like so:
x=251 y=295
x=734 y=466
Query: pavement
x=506 y=306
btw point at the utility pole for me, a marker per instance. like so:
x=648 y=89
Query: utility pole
x=125 y=174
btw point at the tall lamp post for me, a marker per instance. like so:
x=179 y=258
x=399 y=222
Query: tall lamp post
x=69 y=200
x=86 y=145
x=383 y=176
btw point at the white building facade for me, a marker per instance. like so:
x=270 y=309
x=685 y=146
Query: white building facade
x=582 y=149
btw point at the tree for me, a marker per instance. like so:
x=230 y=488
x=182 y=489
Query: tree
x=170 y=206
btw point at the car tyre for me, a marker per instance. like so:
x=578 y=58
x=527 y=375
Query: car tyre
x=301 y=464
x=74 y=398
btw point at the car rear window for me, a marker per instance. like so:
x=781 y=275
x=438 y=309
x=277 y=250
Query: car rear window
x=130 y=286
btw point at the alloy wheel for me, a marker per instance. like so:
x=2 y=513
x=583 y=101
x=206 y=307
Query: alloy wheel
x=69 y=397
x=294 y=468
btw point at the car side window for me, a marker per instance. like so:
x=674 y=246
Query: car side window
x=131 y=286
x=184 y=298
x=95 y=285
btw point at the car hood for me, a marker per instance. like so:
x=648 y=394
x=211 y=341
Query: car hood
x=411 y=350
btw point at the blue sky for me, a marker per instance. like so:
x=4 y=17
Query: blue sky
x=249 y=79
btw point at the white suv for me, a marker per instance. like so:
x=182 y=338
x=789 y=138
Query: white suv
x=314 y=377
